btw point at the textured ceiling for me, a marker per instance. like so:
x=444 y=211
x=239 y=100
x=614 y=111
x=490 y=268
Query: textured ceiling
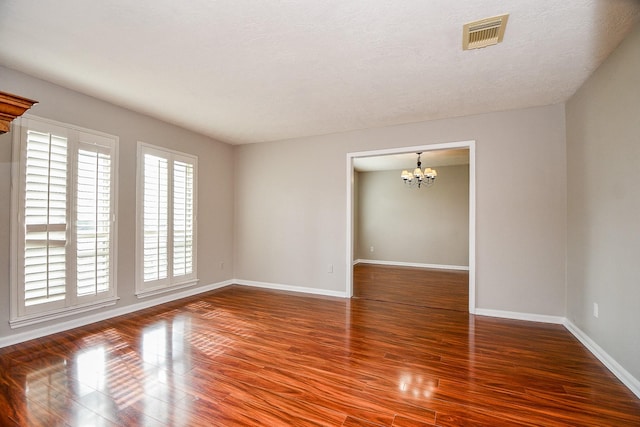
x=250 y=71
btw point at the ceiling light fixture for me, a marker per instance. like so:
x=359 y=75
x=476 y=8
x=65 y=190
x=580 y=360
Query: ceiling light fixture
x=419 y=178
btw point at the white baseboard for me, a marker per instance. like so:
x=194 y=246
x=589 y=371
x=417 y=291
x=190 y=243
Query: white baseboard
x=609 y=362
x=412 y=264
x=558 y=320
x=291 y=288
x=623 y=375
x=98 y=317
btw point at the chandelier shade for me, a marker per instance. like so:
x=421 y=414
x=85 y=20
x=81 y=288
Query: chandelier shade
x=419 y=178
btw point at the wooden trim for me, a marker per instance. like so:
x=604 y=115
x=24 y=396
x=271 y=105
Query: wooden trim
x=12 y=106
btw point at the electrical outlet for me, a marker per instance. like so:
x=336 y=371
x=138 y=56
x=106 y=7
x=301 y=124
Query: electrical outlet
x=222 y=266
x=371 y=249
x=595 y=310
x=330 y=268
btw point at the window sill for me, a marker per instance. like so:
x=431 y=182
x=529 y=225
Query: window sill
x=33 y=319
x=164 y=289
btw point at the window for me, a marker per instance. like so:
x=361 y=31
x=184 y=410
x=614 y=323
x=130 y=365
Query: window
x=166 y=216
x=63 y=222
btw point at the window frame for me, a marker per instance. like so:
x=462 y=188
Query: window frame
x=170 y=283
x=77 y=137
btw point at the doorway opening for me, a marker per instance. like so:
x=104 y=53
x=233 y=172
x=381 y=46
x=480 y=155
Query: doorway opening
x=388 y=160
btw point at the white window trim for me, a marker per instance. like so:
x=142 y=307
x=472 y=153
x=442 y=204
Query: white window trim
x=171 y=283
x=17 y=169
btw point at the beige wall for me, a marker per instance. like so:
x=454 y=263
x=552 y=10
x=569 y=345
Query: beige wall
x=215 y=198
x=426 y=226
x=291 y=205
x=290 y=210
x=603 y=149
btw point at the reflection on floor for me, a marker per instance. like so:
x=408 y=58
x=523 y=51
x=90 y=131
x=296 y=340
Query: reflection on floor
x=425 y=287
x=243 y=356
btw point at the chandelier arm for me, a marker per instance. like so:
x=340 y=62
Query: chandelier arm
x=419 y=178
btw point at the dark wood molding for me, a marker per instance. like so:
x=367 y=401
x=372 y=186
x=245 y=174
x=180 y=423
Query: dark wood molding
x=12 y=106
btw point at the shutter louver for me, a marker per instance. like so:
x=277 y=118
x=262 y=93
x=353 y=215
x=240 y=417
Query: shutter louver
x=93 y=222
x=45 y=218
x=155 y=218
x=182 y=218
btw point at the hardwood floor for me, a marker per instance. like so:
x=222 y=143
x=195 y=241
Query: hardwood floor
x=424 y=287
x=250 y=357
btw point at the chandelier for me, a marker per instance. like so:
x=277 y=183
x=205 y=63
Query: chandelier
x=418 y=177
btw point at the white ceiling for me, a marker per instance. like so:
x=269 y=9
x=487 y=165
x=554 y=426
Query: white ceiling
x=249 y=71
x=432 y=159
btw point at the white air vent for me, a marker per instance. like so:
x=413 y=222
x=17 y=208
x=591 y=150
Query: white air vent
x=483 y=33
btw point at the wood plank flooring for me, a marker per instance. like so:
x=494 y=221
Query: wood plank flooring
x=250 y=357
x=424 y=287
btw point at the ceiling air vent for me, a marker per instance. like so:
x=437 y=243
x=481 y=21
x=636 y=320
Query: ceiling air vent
x=483 y=33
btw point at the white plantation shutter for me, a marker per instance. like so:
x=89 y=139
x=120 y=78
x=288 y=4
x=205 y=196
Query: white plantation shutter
x=93 y=220
x=166 y=219
x=45 y=218
x=156 y=218
x=63 y=204
x=182 y=218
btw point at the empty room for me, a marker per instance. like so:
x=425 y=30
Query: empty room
x=335 y=213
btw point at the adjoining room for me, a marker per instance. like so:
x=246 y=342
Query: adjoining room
x=411 y=235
